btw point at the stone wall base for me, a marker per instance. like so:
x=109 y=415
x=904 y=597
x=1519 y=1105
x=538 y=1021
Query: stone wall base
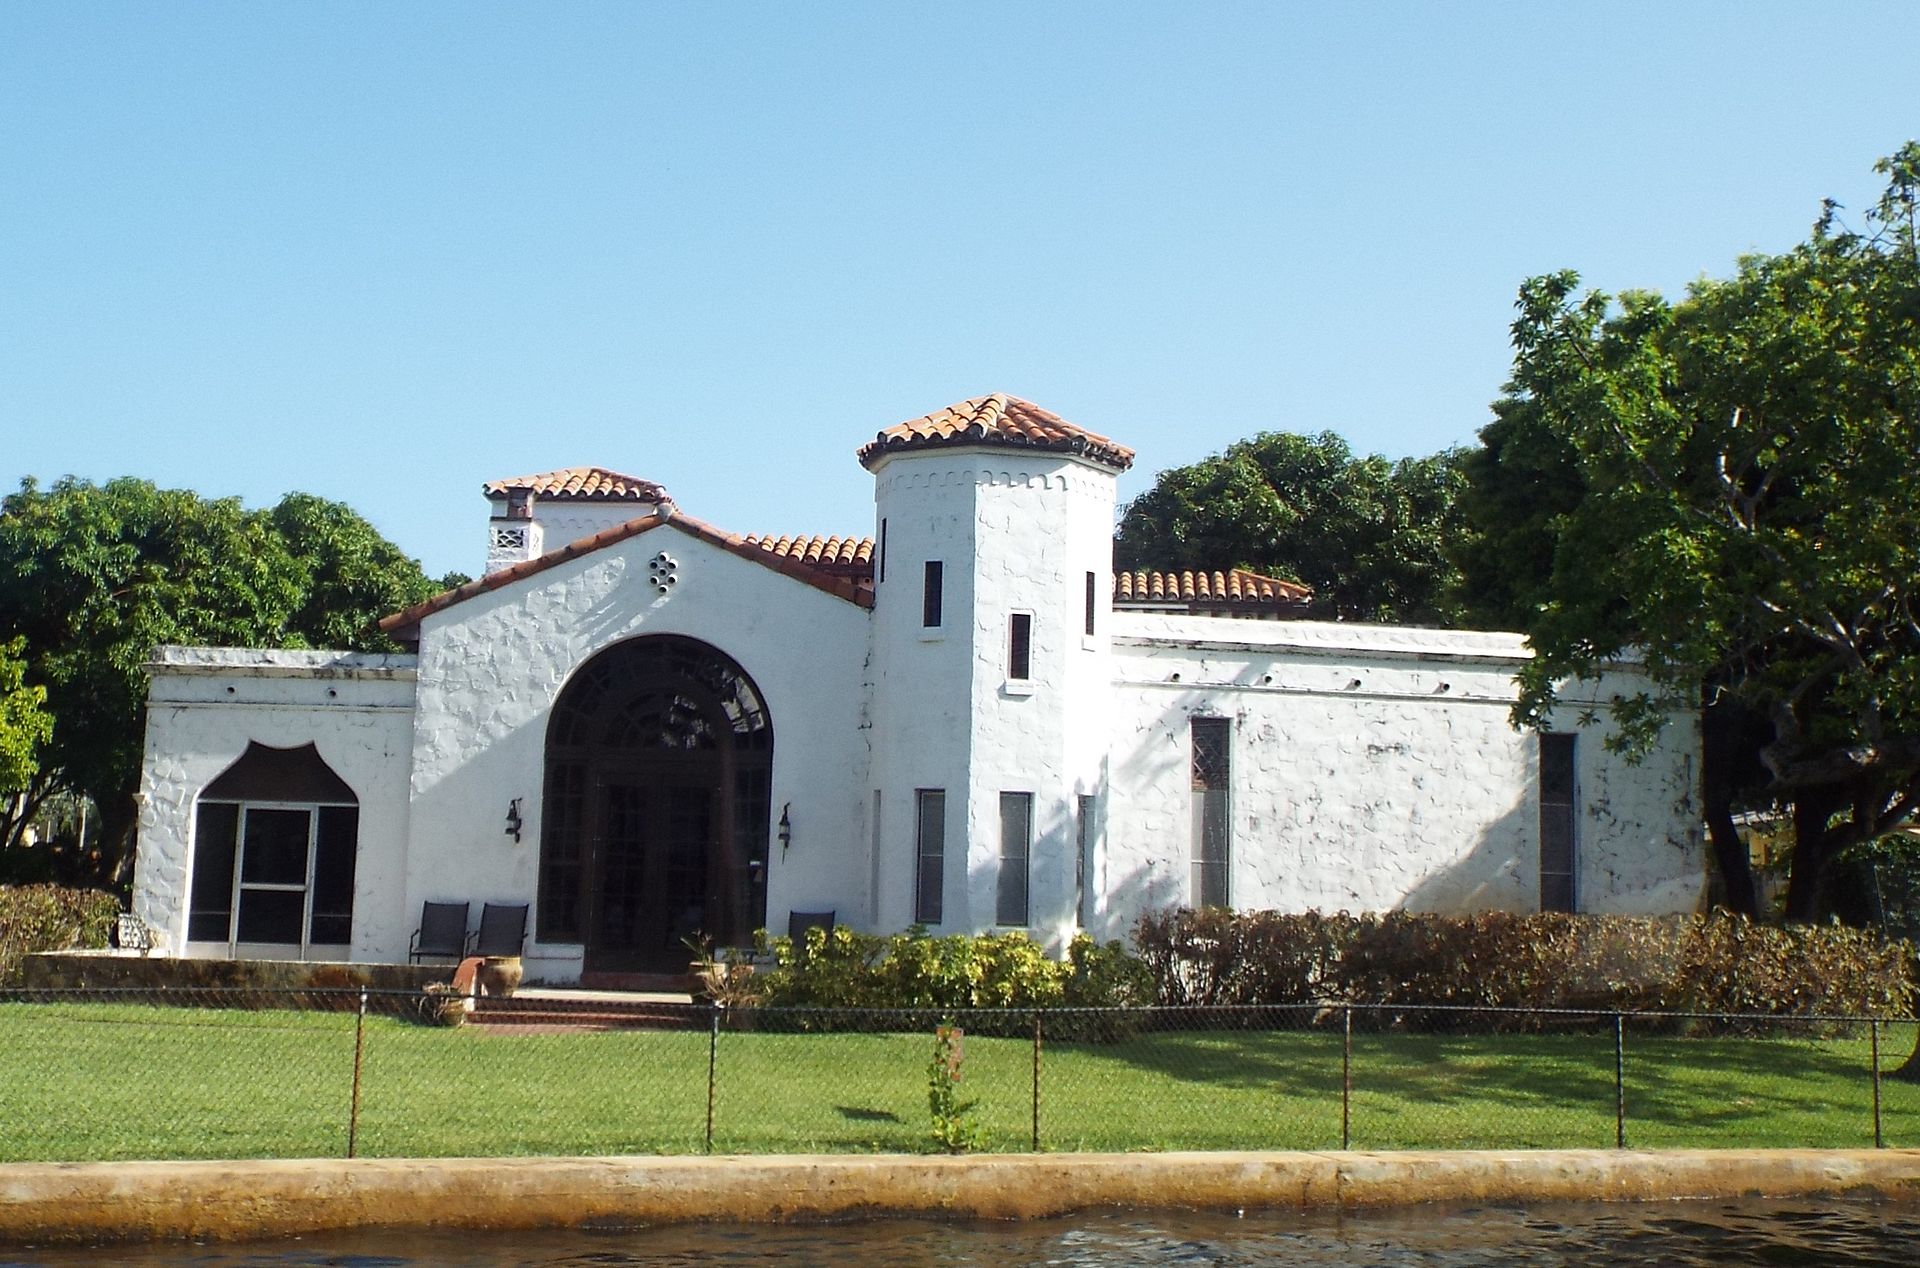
x=94 y=1202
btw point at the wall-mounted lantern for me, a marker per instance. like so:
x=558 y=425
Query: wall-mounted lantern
x=786 y=827
x=513 y=820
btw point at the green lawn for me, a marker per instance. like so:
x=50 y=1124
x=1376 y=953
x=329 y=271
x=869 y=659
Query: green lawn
x=102 y=1081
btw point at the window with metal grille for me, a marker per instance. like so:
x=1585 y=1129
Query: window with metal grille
x=931 y=595
x=930 y=849
x=1557 y=842
x=1092 y=581
x=1016 y=847
x=1020 y=646
x=1211 y=780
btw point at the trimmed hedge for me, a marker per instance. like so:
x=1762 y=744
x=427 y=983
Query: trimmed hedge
x=840 y=968
x=1711 y=964
x=51 y=918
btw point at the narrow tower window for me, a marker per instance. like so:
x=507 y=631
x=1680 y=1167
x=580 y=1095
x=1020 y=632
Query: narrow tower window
x=930 y=598
x=1016 y=846
x=880 y=575
x=1092 y=581
x=930 y=849
x=1020 y=646
x=1083 y=857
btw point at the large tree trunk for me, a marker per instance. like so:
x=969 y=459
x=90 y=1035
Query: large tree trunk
x=1735 y=864
x=1813 y=852
x=1731 y=737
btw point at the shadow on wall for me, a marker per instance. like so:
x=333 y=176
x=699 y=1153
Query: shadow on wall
x=1142 y=889
x=1500 y=872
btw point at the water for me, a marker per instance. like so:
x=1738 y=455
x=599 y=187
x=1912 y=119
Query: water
x=1760 y=1232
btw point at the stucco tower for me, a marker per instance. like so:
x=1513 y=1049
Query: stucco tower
x=993 y=569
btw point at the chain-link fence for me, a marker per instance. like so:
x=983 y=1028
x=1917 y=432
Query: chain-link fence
x=259 y=1074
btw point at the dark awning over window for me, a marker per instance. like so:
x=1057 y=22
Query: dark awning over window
x=264 y=773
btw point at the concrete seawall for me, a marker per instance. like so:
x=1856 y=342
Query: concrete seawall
x=89 y=1202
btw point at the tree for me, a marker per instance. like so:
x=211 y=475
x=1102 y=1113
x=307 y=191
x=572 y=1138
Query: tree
x=1367 y=534
x=1749 y=521
x=93 y=577
x=352 y=576
x=24 y=722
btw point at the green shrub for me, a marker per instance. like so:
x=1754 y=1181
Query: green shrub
x=842 y=969
x=51 y=918
x=1718 y=963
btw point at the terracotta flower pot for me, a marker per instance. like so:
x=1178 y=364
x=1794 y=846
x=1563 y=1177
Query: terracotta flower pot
x=500 y=975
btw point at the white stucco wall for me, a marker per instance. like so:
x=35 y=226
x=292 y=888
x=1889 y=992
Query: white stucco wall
x=1376 y=768
x=205 y=705
x=1016 y=532
x=920 y=713
x=492 y=666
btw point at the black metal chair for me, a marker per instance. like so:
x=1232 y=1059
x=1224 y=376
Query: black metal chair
x=442 y=932
x=503 y=929
x=798 y=922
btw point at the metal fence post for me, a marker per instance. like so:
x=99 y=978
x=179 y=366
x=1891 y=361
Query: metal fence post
x=1619 y=1081
x=1036 y=1082
x=1346 y=1077
x=713 y=1063
x=359 y=1051
x=1879 y=1140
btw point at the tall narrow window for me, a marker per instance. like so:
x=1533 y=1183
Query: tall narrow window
x=881 y=555
x=931 y=596
x=1083 y=857
x=1016 y=846
x=1092 y=581
x=1211 y=779
x=1020 y=646
x=1557 y=853
x=930 y=853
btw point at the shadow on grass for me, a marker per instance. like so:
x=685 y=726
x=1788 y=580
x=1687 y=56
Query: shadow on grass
x=1715 y=1085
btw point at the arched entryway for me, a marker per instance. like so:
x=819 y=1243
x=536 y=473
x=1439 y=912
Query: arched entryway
x=658 y=790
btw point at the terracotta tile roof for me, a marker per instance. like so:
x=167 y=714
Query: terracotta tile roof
x=1237 y=588
x=580 y=484
x=852 y=555
x=850 y=583
x=999 y=420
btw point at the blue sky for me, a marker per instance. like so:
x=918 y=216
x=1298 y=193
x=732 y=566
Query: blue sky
x=383 y=253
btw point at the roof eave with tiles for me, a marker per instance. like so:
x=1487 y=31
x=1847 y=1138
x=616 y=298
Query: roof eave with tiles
x=404 y=626
x=579 y=484
x=996 y=421
x=1236 y=591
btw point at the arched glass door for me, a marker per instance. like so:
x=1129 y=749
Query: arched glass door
x=658 y=791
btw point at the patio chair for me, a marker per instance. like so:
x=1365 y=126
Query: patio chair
x=503 y=929
x=798 y=922
x=442 y=932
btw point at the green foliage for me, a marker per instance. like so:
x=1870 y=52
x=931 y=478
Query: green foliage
x=1731 y=500
x=840 y=968
x=93 y=577
x=955 y=1129
x=352 y=576
x=24 y=722
x=1369 y=535
x=1719 y=963
x=50 y=918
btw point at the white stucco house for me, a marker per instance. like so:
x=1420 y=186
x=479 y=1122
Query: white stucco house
x=644 y=727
